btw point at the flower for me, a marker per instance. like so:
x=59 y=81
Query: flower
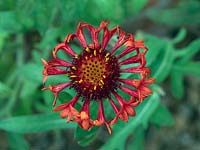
x=96 y=74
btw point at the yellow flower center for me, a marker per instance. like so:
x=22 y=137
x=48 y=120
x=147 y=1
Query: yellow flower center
x=94 y=73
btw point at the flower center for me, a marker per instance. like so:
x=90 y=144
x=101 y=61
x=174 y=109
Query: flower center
x=94 y=74
x=93 y=71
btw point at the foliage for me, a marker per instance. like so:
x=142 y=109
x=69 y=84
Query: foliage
x=30 y=29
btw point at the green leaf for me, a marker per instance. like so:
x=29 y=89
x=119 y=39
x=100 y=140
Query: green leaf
x=177 y=85
x=48 y=97
x=3 y=36
x=36 y=56
x=80 y=133
x=141 y=118
x=137 y=5
x=190 y=68
x=86 y=141
x=4 y=90
x=74 y=10
x=116 y=15
x=8 y=22
x=42 y=107
x=34 y=123
x=31 y=14
x=162 y=116
x=6 y=5
x=16 y=141
x=65 y=97
x=85 y=137
x=32 y=72
x=25 y=91
x=162 y=67
x=154 y=49
x=12 y=99
x=26 y=106
x=188 y=52
x=48 y=41
x=174 y=16
x=180 y=36
x=137 y=141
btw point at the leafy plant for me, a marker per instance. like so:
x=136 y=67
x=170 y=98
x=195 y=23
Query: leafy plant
x=30 y=29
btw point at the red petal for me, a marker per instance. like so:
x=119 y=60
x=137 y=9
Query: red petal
x=94 y=35
x=108 y=128
x=136 y=44
x=136 y=69
x=53 y=71
x=126 y=51
x=49 y=70
x=107 y=35
x=131 y=82
x=122 y=39
x=57 y=88
x=61 y=107
x=129 y=91
x=145 y=73
x=149 y=81
x=101 y=116
x=124 y=116
x=113 y=105
x=133 y=59
x=130 y=111
x=85 y=124
x=80 y=36
x=71 y=103
x=145 y=91
x=59 y=62
x=64 y=47
x=86 y=107
x=69 y=38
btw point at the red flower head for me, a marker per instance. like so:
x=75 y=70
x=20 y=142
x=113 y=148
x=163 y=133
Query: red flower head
x=97 y=74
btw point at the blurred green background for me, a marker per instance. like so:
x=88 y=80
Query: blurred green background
x=169 y=119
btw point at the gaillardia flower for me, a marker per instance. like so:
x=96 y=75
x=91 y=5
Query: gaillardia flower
x=99 y=74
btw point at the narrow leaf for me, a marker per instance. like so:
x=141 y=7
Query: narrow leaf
x=34 y=123
x=162 y=68
x=180 y=36
x=188 y=52
x=154 y=49
x=162 y=116
x=87 y=141
x=177 y=85
x=137 y=141
x=190 y=68
x=32 y=72
x=81 y=133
